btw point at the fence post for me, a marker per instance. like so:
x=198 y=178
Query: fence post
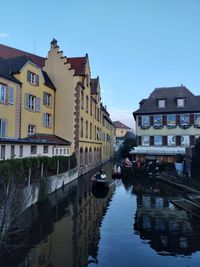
x=69 y=164
x=29 y=176
x=42 y=169
x=57 y=166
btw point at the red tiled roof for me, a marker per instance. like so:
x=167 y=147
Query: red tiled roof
x=8 y=52
x=77 y=63
x=119 y=124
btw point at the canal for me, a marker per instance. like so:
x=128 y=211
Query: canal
x=133 y=223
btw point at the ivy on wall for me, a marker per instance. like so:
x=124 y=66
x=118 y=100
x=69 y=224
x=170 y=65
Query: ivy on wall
x=20 y=168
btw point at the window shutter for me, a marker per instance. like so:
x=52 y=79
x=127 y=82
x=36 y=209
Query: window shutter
x=26 y=101
x=37 y=80
x=44 y=98
x=44 y=119
x=164 y=119
x=151 y=120
x=11 y=95
x=50 y=118
x=178 y=140
x=3 y=128
x=151 y=140
x=191 y=119
x=139 y=140
x=37 y=104
x=177 y=119
x=192 y=140
x=28 y=76
x=164 y=140
x=139 y=120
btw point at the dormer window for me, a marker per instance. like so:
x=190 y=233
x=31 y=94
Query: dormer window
x=161 y=103
x=33 y=78
x=180 y=102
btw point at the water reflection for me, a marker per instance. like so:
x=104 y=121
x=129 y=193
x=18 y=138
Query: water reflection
x=69 y=228
x=62 y=231
x=167 y=229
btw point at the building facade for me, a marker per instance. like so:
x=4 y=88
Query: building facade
x=120 y=130
x=167 y=123
x=58 y=97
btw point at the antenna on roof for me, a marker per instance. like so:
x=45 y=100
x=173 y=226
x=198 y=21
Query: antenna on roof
x=34 y=48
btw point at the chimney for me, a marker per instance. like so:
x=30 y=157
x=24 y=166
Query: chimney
x=54 y=43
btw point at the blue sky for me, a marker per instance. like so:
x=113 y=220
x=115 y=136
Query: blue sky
x=133 y=45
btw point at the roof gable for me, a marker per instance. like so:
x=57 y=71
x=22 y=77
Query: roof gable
x=170 y=94
x=8 y=52
x=119 y=124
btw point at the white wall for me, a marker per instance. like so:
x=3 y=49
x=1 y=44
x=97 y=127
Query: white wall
x=52 y=150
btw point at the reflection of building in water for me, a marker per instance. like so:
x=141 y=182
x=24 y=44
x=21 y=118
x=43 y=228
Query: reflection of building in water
x=74 y=230
x=169 y=230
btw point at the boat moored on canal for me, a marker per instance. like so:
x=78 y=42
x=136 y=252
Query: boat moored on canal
x=100 y=179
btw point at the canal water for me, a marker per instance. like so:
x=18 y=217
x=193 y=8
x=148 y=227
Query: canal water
x=133 y=223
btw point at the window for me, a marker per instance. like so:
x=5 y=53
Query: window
x=60 y=151
x=86 y=126
x=197 y=120
x=87 y=104
x=171 y=120
x=33 y=149
x=31 y=129
x=180 y=102
x=171 y=140
x=158 y=121
x=158 y=140
x=46 y=120
x=184 y=120
x=12 y=152
x=64 y=151
x=145 y=121
x=145 y=140
x=2 y=93
x=98 y=114
x=161 y=103
x=185 y=140
x=3 y=128
x=90 y=130
x=11 y=96
x=33 y=78
x=20 y=151
x=3 y=152
x=81 y=127
x=32 y=102
x=82 y=100
x=91 y=107
x=47 y=99
x=45 y=149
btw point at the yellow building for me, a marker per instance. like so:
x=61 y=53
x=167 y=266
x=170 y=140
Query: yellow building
x=10 y=102
x=73 y=112
x=37 y=97
x=27 y=111
x=79 y=114
x=120 y=129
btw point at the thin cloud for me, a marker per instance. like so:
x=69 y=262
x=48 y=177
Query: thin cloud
x=4 y=35
x=123 y=115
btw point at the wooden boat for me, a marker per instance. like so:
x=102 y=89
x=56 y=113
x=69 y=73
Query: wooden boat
x=100 y=179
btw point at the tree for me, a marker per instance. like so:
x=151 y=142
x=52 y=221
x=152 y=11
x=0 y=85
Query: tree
x=126 y=147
